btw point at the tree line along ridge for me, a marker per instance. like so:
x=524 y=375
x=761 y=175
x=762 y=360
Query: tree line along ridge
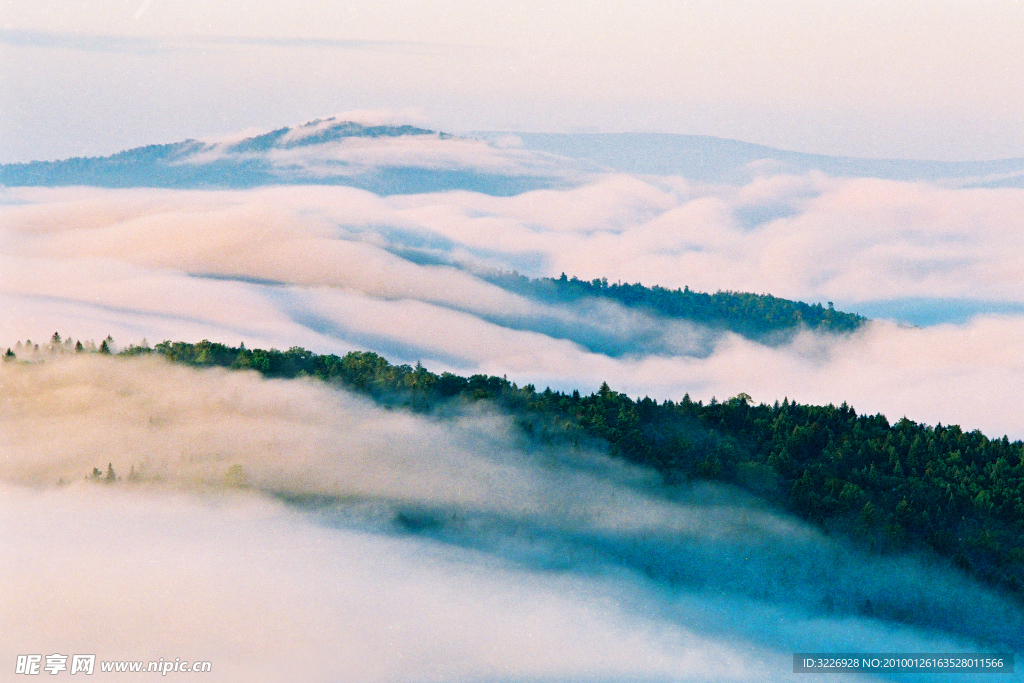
x=940 y=490
x=757 y=316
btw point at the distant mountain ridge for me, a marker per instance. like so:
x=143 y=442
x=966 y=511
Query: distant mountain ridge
x=405 y=159
x=713 y=159
x=307 y=154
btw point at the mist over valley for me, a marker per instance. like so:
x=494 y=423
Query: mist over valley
x=508 y=406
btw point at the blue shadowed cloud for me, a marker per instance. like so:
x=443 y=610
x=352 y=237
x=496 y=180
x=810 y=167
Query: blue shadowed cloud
x=924 y=311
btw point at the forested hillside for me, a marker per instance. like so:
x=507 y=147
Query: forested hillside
x=903 y=486
x=758 y=316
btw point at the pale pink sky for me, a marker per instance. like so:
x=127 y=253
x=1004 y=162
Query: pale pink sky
x=915 y=79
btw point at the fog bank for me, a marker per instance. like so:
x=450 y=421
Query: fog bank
x=411 y=547
x=335 y=269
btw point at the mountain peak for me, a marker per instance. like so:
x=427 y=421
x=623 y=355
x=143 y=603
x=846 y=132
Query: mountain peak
x=321 y=131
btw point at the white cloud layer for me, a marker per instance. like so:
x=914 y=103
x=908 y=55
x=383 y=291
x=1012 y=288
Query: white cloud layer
x=334 y=268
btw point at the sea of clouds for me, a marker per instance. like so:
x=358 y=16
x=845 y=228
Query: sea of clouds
x=285 y=530
x=337 y=268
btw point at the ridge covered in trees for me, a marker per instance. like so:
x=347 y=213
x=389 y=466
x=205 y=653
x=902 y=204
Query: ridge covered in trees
x=757 y=316
x=899 y=486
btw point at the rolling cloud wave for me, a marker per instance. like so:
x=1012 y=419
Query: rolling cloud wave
x=334 y=268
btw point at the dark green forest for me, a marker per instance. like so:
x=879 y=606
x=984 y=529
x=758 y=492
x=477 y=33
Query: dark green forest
x=892 y=487
x=757 y=316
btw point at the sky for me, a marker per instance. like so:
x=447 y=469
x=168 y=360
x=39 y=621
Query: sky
x=914 y=79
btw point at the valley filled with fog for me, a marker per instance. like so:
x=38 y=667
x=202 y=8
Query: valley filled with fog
x=290 y=529
x=336 y=268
